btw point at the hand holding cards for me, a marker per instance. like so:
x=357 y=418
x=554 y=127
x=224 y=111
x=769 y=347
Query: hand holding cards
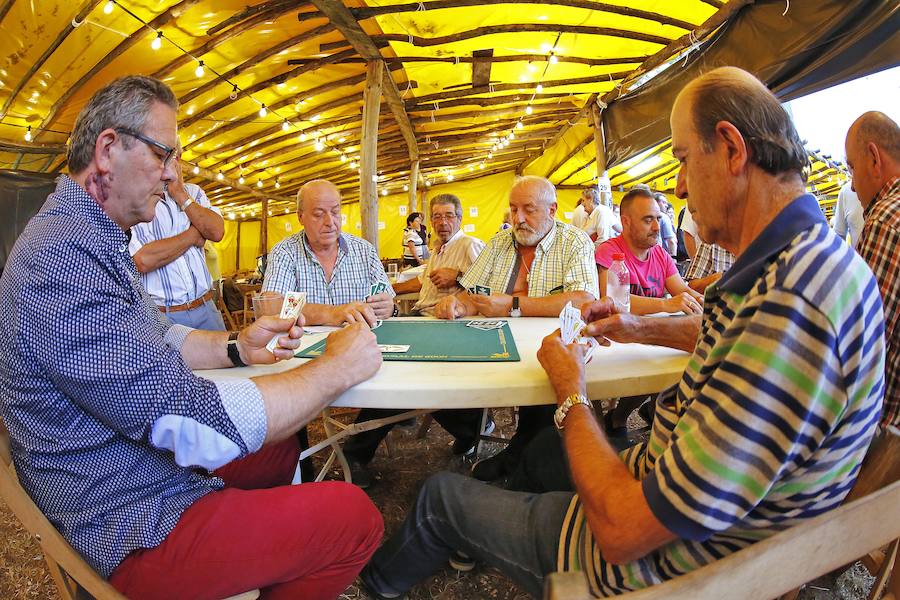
x=570 y=329
x=290 y=309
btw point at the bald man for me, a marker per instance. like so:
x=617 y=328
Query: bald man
x=335 y=269
x=767 y=426
x=873 y=153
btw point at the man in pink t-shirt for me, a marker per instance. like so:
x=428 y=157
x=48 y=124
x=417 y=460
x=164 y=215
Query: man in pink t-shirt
x=652 y=270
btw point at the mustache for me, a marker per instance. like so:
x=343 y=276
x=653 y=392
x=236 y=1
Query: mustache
x=525 y=227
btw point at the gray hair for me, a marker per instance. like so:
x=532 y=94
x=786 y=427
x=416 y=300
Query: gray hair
x=312 y=184
x=446 y=199
x=879 y=129
x=546 y=190
x=593 y=192
x=734 y=96
x=126 y=103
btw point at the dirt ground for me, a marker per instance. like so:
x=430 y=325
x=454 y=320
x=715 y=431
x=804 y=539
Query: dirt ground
x=23 y=574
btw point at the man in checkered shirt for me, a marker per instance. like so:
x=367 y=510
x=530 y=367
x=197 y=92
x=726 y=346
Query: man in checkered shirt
x=531 y=270
x=873 y=154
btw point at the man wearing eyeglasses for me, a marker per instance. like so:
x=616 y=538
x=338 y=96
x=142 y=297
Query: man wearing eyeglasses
x=449 y=262
x=146 y=468
x=168 y=253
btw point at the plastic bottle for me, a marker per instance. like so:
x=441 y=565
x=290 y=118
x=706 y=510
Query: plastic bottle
x=618 y=283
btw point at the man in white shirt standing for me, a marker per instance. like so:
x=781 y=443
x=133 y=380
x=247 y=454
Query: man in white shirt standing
x=848 y=215
x=168 y=253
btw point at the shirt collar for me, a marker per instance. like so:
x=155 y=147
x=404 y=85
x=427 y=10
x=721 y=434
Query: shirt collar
x=888 y=190
x=72 y=195
x=801 y=214
x=343 y=246
x=459 y=233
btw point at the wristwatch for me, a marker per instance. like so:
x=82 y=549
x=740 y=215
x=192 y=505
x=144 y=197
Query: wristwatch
x=234 y=353
x=514 y=311
x=187 y=203
x=560 y=415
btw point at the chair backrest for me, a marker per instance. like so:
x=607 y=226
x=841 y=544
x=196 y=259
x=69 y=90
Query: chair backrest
x=70 y=571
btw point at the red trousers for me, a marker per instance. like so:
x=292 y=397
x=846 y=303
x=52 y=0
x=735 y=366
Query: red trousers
x=301 y=542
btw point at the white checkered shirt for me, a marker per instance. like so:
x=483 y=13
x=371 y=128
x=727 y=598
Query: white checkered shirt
x=563 y=262
x=294 y=267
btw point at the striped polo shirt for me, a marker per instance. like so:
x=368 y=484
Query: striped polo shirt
x=563 y=262
x=773 y=414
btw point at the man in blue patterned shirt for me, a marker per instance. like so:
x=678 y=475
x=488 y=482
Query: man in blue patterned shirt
x=768 y=425
x=123 y=448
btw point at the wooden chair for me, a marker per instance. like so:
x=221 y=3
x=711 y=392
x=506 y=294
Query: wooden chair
x=74 y=578
x=780 y=564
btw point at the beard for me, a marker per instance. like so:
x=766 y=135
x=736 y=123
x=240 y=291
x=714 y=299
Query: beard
x=527 y=236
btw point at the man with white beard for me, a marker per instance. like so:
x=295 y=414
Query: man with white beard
x=530 y=270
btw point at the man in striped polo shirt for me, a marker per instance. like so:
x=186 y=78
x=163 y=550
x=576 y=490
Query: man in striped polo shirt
x=766 y=428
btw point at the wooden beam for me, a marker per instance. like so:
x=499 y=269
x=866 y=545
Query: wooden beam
x=559 y=134
x=593 y=62
x=4 y=8
x=374 y=11
x=415 y=106
x=424 y=42
x=170 y=14
x=247 y=13
x=84 y=11
x=610 y=78
x=471 y=114
x=413 y=181
x=599 y=140
x=368 y=191
x=481 y=70
x=343 y=20
x=32 y=148
x=264 y=227
x=257 y=58
x=581 y=146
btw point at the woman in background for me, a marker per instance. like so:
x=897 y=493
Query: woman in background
x=415 y=249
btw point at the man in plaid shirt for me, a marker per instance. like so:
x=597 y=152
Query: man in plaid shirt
x=873 y=154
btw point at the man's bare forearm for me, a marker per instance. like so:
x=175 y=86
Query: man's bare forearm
x=673 y=332
x=206 y=350
x=159 y=253
x=550 y=306
x=210 y=225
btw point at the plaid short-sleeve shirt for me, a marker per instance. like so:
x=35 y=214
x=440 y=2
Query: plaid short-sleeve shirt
x=879 y=245
x=563 y=262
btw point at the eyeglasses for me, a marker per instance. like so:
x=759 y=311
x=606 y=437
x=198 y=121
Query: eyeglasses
x=169 y=150
x=444 y=217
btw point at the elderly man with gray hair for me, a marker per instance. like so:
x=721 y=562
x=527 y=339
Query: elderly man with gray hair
x=530 y=270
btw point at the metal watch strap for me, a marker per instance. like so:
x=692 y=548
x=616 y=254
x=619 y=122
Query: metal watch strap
x=187 y=203
x=234 y=352
x=559 y=416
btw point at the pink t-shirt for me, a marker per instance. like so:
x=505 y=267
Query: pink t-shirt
x=648 y=277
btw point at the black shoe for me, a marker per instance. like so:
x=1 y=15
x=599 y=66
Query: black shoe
x=465 y=446
x=360 y=474
x=461 y=561
x=365 y=584
x=495 y=467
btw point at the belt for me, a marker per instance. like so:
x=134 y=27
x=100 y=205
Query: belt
x=188 y=305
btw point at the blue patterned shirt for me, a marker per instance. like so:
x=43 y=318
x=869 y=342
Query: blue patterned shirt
x=294 y=267
x=773 y=415
x=104 y=416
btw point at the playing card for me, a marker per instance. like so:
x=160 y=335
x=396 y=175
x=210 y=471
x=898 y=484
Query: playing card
x=592 y=344
x=482 y=290
x=377 y=324
x=393 y=348
x=377 y=288
x=290 y=309
x=570 y=323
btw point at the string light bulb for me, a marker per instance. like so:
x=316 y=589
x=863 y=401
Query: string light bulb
x=285 y=126
x=384 y=191
x=528 y=110
x=156 y=44
x=481 y=165
x=449 y=177
x=28 y=134
x=302 y=136
x=277 y=184
x=196 y=170
x=263 y=111
x=405 y=188
x=352 y=164
x=319 y=146
x=512 y=135
x=343 y=158
x=259 y=183
x=241 y=180
x=234 y=93
x=109 y=7
x=219 y=176
x=199 y=71
x=553 y=59
x=539 y=88
x=519 y=125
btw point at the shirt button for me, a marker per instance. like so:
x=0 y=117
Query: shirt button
x=123 y=247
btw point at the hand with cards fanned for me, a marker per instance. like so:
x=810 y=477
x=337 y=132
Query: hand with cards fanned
x=380 y=301
x=570 y=329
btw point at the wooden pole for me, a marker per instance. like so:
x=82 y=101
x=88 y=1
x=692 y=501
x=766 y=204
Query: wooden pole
x=264 y=228
x=599 y=140
x=368 y=157
x=237 y=248
x=413 y=180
